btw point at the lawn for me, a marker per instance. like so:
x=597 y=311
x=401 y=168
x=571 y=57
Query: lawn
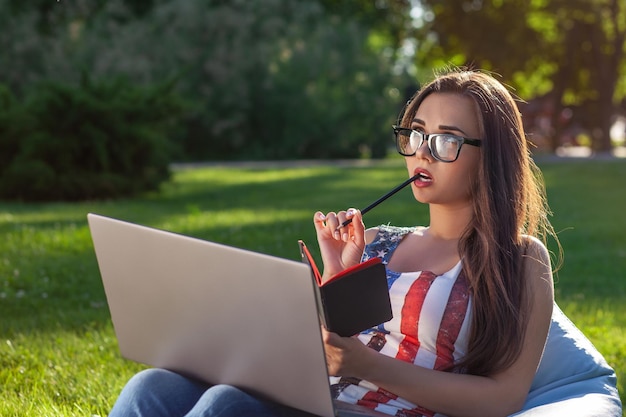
x=58 y=352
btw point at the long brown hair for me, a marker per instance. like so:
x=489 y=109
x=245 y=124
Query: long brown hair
x=508 y=198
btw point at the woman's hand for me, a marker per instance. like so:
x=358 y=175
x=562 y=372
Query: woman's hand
x=346 y=356
x=340 y=247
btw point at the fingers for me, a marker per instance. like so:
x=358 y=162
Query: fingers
x=345 y=217
x=328 y=224
x=355 y=229
x=342 y=354
x=325 y=221
x=332 y=224
x=325 y=334
x=330 y=338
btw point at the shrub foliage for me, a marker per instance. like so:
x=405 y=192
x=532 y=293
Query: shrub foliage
x=271 y=79
x=100 y=139
x=277 y=79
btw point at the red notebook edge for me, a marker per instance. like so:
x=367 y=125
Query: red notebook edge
x=318 y=276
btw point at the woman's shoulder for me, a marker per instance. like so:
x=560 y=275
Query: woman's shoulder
x=535 y=251
x=537 y=264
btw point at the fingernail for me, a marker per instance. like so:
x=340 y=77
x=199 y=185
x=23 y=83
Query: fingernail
x=321 y=216
x=351 y=212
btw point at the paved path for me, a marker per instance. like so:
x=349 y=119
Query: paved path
x=573 y=154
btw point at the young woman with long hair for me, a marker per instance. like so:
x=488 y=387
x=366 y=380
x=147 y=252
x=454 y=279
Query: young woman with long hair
x=488 y=212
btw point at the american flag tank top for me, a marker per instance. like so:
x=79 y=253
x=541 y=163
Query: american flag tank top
x=430 y=325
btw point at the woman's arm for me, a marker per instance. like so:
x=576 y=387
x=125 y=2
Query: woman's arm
x=454 y=394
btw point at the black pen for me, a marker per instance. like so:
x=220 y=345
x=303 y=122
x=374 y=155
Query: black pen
x=381 y=199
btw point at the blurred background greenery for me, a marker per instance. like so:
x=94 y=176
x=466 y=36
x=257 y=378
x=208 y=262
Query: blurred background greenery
x=98 y=97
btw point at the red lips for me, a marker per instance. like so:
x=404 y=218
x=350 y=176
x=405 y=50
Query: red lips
x=424 y=178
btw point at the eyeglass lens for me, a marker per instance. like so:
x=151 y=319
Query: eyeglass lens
x=442 y=146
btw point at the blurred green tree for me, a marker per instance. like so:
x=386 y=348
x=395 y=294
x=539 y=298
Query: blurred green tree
x=571 y=51
x=269 y=79
x=101 y=139
x=389 y=20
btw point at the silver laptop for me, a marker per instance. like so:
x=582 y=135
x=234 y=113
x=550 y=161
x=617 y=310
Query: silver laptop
x=218 y=313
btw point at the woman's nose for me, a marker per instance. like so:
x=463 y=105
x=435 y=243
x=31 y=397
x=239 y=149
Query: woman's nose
x=423 y=151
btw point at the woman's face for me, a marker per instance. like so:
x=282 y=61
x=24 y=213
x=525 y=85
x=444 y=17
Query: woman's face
x=445 y=183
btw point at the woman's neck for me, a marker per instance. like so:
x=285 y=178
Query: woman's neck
x=449 y=223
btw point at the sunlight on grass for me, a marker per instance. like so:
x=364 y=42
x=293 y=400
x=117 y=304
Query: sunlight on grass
x=69 y=373
x=58 y=352
x=207 y=219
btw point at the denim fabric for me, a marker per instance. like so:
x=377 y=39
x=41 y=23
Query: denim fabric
x=158 y=392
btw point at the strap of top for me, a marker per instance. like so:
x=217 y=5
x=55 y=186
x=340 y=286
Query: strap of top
x=385 y=243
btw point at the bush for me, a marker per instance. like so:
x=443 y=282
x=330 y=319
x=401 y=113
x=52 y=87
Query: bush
x=271 y=79
x=277 y=79
x=105 y=139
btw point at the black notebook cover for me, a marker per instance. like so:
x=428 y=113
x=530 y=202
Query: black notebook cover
x=353 y=300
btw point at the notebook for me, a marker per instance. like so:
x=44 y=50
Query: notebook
x=218 y=313
x=340 y=311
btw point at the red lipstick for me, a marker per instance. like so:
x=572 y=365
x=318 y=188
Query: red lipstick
x=423 y=178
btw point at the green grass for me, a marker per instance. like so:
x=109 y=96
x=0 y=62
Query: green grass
x=58 y=352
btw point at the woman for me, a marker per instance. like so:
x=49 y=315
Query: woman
x=472 y=292
x=464 y=135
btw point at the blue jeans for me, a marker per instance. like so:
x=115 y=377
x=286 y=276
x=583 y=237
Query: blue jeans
x=157 y=392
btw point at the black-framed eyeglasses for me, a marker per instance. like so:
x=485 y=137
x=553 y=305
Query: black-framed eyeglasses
x=444 y=147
